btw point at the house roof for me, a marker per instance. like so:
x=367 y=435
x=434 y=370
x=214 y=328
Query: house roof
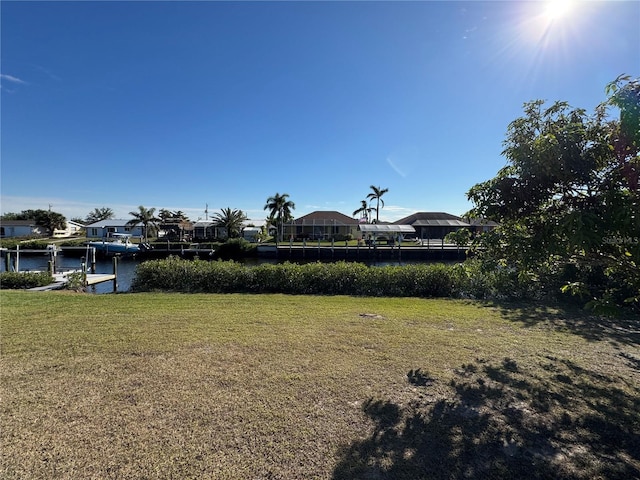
x=203 y=223
x=432 y=219
x=77 y=224
x=321 y=217
x=18 y=223
x=118 y=222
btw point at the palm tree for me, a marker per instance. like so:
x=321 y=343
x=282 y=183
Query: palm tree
x=280 y=209
x=146 y=217
x=231 y=220
x=376 y=195
x=165 y=215
x=364 y=211
x=180 y=215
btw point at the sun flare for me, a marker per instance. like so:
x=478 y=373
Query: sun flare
x=557 y=9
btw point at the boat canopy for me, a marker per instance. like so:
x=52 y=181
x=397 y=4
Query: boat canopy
x=378 y=228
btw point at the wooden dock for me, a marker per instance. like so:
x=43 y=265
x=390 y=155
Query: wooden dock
x=95 y=278
x=60 y=280
x=84 y=277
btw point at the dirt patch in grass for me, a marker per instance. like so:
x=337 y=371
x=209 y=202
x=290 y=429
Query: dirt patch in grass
x=271 y=386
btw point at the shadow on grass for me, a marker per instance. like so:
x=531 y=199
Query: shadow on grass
x=618 y=330
x=498 y=422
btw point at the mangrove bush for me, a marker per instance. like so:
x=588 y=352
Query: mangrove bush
x=339 y=278
x=23 y=280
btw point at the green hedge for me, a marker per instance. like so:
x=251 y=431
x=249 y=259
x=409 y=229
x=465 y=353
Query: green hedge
x=339 y=278
x=22 y=280
x=33 y=244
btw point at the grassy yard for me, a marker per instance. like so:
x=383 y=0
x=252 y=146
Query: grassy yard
x=300 y=387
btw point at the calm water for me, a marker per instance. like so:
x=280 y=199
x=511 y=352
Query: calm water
x=126 y=268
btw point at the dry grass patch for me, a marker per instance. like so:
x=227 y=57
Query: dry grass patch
x=274 y=386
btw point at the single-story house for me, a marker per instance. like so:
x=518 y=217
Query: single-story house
x=207 y=229
x=433 y=225
x=322 y=225
x=105 y=228
x=20 y=228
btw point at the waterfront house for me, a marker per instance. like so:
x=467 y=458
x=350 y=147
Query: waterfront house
x=106 y=228
x=433 y=225
x=20 y=228
x=322 y=225
x=71 y=229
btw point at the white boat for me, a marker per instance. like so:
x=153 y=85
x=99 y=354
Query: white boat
x=117 y=244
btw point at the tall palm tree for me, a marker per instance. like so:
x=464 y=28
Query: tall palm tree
x=364 y=211
x=280 y=209
x=231 y=220
x=376 y=195
x=146 y=217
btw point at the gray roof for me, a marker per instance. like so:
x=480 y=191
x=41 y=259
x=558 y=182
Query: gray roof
x=203 y=223
x=440 y=223
x=18 y=223
x=118 y=222
x=433 y=219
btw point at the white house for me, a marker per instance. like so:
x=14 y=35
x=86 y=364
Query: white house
x=72 y=228
x=105 y=228
x=20 y=228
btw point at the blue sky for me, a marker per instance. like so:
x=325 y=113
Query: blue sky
x=181 y=104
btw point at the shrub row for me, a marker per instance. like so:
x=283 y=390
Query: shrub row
x=339 y=278
x=14 y=280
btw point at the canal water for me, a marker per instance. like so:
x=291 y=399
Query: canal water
x=126 y=269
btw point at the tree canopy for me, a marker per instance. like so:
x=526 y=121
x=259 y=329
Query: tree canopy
x=567 y=200
x=99 y=214
x=47 y=219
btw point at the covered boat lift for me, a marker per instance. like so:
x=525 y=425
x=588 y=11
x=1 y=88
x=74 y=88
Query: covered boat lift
x=396 y=231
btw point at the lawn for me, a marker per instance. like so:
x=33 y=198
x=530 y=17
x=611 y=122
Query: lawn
x=302 y=387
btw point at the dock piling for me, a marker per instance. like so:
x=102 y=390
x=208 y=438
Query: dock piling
x=93 y=259
x=115 y=273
